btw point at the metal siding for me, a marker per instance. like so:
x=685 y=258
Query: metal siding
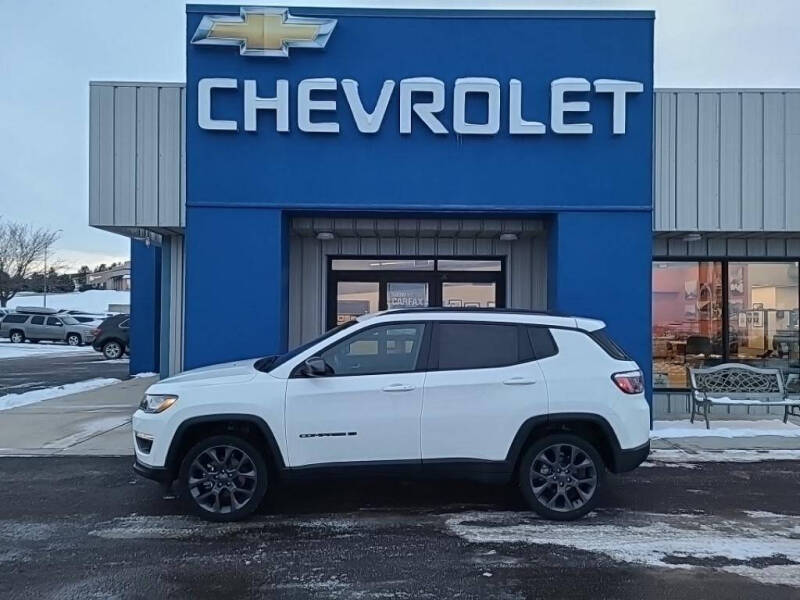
x=752 y=162
x=147 y=156
x=686 y=163
x=727 y=160
x=730 y=181
x=125 y=156
x=169 y=165
x=136 y=156
x=721 y=246
x=708 y=162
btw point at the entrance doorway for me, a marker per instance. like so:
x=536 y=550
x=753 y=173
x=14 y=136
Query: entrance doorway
x=360 y=286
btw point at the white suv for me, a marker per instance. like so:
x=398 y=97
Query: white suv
x=495 y=395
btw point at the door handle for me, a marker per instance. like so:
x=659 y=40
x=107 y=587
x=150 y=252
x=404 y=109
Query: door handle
x=519 y=381
x=398 y=387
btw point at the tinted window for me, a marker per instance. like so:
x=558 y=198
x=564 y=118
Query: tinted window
x=477 y=345
x=610 y=346
x=383 y=349
x=37 y=320
x=542 y=341
x=15 y=319
x=53 y=321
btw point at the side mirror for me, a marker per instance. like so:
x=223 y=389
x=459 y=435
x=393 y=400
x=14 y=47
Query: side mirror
x=315 y=367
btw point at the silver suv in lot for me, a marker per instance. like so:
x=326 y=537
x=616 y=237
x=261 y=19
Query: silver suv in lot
x=42 y=324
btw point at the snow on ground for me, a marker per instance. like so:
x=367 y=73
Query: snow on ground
x=15 y=400
x=9 y=350
x=763 y=548
x=90 y=301
x=677 y=457
x=726 y=429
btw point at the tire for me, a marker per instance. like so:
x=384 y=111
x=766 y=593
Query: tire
x=207 y=490
x=550 y=482
x=113 y=350
x=16 y=337
x=74 y=339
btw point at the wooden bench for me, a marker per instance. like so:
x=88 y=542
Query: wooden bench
x=733 y=384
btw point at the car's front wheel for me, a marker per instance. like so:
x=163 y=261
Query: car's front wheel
x=17 y=337
x=560 y=476
x=73 y=339
x=112 y=350
x=223 y=478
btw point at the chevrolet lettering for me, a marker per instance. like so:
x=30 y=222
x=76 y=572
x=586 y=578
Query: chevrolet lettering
x=318 y=101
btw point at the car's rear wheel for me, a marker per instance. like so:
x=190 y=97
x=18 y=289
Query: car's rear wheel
x=560 y=476
x=112 y=350
x=17 y=337
x=223 y=478
x=73 y=339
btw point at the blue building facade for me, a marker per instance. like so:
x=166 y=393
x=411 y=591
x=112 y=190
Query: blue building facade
x=538 y=118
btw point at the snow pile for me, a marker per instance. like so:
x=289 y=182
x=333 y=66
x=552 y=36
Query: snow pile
x=665 y=457
x=761 y=548
x=9 y=350
x=15 y=400
x=90 y=301
x=725 y=429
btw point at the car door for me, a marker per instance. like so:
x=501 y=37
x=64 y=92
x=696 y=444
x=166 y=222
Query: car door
x=483 y=384
x=54 y=329
x=36 y=329
x=367 y=408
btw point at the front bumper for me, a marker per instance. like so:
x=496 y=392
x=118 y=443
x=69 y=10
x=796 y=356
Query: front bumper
x=629 y=459
x=159 y=474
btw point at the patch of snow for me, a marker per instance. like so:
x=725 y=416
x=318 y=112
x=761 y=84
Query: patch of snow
x=729 y=455
x=15 y=400
x=9 y=350
x=87 y=431
x=146 y=374
x=90 y=301
x=725 y=429
x=669 y=465
x=658 y=540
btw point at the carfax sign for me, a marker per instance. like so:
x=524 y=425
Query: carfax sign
x=358 y=109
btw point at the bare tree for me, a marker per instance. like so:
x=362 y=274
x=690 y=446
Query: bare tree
x=22 y=248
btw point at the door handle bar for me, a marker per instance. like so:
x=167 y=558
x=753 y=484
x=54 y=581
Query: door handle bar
x=398 y=387
x=519 y=381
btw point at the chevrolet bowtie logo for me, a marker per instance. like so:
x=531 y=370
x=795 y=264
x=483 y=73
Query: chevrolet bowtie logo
x=264 y=31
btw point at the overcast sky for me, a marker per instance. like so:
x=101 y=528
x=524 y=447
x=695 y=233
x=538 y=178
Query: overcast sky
x=52 y=49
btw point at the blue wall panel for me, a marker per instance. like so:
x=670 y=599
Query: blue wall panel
x=236 y=284
x=145 y=307
x=600 y=267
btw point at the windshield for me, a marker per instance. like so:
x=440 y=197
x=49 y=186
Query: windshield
x=69 y=320
x=268 y=363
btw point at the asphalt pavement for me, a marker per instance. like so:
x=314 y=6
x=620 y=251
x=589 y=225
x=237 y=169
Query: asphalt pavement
x=82 y=527
x=28 y=373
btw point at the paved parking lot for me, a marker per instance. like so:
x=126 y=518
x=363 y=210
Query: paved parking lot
x=79 y=527
x=58 y=365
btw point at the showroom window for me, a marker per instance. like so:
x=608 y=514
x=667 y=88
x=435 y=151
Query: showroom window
x=710 y=312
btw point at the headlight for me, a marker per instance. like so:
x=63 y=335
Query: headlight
x=156 y=403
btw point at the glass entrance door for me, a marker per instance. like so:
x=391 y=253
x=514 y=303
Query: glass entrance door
x=360 y=286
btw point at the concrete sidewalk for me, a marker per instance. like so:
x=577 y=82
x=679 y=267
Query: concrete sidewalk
x=95 y=422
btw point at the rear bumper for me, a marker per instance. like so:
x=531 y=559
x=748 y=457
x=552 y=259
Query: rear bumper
x=159 y=474
x=629 y=459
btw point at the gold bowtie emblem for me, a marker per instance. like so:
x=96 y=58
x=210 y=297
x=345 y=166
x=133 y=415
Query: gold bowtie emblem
x=264 y=31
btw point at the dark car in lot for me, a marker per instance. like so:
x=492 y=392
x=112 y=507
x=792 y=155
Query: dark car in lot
x=112 y=337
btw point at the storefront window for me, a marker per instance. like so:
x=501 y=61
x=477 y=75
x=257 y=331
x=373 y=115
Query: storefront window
x=355 y=298
x=763 y=316
x=687 y=320
x=689 y=304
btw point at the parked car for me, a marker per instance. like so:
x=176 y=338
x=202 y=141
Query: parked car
x=37 y=326
x=112 y=337
x=548 y=401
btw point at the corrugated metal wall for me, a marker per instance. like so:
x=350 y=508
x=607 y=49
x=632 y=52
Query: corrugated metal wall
x=526 y=258
x=728 y=246
x=136 y=155
x=727 y=160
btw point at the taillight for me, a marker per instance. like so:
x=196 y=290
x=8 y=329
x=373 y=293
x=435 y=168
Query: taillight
x=630 y=382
